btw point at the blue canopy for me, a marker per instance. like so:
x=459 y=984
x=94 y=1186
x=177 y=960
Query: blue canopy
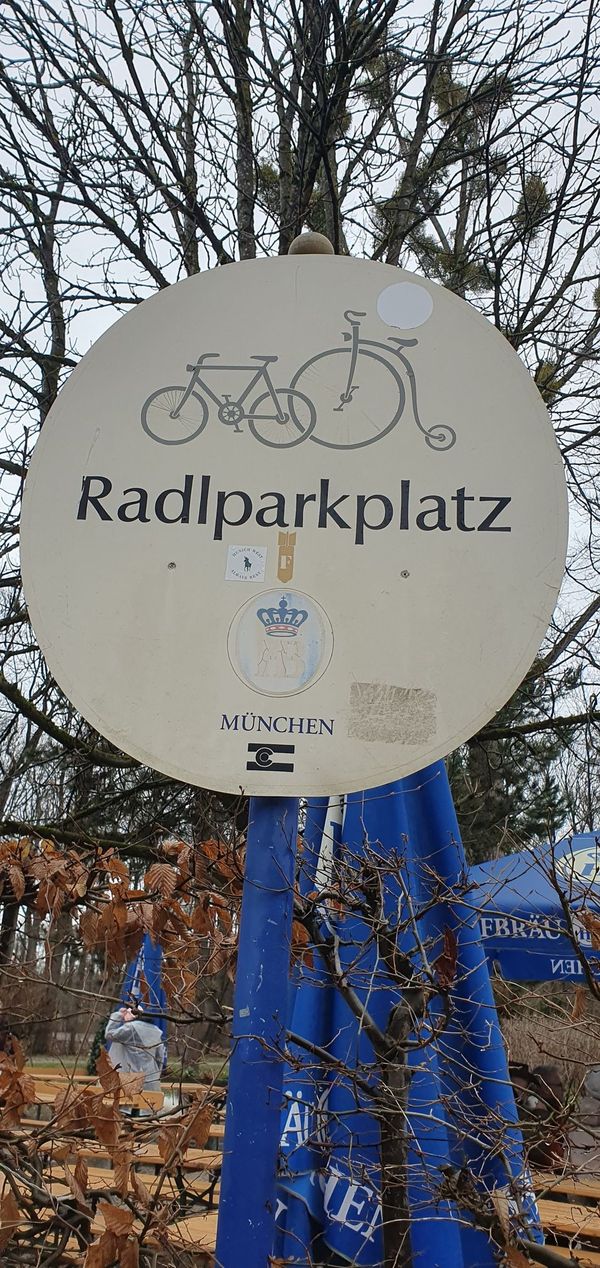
x=143 y=983
x=460 y=1113
x=529 y=906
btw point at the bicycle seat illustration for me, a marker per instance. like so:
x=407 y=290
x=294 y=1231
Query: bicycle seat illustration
x=349 y=417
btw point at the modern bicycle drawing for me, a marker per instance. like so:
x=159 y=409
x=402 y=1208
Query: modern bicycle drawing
x=176 y=415
x=283 y=417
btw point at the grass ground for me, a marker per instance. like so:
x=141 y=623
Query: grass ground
x=210 y=1066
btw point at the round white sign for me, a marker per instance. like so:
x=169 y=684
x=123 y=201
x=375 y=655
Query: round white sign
x=295 y=526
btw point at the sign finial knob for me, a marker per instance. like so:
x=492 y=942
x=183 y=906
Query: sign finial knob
x=310 y=243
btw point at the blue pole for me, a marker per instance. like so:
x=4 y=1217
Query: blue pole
x=246 y=1225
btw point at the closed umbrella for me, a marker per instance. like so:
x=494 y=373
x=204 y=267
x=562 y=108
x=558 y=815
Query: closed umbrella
x=142 y=983
x=460 y=1119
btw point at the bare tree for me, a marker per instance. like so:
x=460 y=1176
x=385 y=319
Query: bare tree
x=140 y=144
x=137 y=147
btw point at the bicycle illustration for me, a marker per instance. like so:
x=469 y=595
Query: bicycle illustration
x=283 y=417
x=355 y=422
x=279 y=417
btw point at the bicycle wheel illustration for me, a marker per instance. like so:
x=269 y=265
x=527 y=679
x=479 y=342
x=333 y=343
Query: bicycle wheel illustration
x=300 y=418
x=162 y=421
x=373 y=408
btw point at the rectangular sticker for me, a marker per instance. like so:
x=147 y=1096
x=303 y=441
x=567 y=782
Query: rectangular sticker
x=246 y=563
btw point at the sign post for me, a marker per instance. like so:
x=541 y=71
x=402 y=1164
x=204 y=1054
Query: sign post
x=252 y=1127
x=280 y=536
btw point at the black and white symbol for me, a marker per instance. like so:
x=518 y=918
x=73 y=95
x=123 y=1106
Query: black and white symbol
x=263 y=755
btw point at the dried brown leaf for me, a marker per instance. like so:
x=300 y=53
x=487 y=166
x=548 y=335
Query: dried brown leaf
x=106 y=1125
x=81 y=1172
x=108 y=1076
x=167 y=1141
x=129 y=1253
x=131 y=1084
x=118 y=1219
x=300 y=944
x=101 y=1253
x=502 y=1209
x=88 y=929
x=117 y=867
x=122 y=1159
x=198 y=1128
x=579 y=1003
x=17 y=881
x=516 y=1259
x=18 y=1054
x=68 y=1111
x=9 y=1117
x=76 y=1188
x=10 y=1217
x=200 y=921
x=139 y=1188
x=445 y=965
x=185 y=860
x=592 y=924
x=27 y=1088
x=59 y=1152
x=162 y=878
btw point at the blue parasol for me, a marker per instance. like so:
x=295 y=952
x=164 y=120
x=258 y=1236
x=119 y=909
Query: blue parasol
x=461 y=1118
x=143 y=983
x=532 y=906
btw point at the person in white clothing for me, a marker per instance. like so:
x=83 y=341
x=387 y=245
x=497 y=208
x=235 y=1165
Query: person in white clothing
x=136 y=1046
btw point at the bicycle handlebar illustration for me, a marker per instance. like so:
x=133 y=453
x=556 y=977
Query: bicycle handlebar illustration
x=282 y=417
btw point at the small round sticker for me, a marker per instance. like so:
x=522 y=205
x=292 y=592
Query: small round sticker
x=405 y=305
x=280 y=642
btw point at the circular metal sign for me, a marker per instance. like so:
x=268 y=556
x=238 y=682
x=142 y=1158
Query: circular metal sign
x=295 y=526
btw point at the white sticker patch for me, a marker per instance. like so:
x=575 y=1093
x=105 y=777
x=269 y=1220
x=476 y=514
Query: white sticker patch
x=405 y=305
x=391 y=715
x=246 y=563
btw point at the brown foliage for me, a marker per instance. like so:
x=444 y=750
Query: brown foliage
x=301 y=949
x=10 y=1217
x=580 y=999
x=198 y=1129
x=118 y=1219
x=17 y=1088
x=516 y=1259
x=445 y=965
x=592 y=924
x=186 y=904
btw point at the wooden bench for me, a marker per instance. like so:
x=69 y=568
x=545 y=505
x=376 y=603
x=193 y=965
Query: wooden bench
x=179 y=1187
x=570 y=1219
x=195 y=1233
x=191 y=1159
x=570 y=1213
x=550 y=1185
x=47 y=1091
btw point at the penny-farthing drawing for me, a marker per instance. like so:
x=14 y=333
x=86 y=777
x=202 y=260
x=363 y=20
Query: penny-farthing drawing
x=360 y=413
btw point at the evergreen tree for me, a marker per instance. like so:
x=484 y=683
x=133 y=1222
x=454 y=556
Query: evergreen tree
x=506 y=791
